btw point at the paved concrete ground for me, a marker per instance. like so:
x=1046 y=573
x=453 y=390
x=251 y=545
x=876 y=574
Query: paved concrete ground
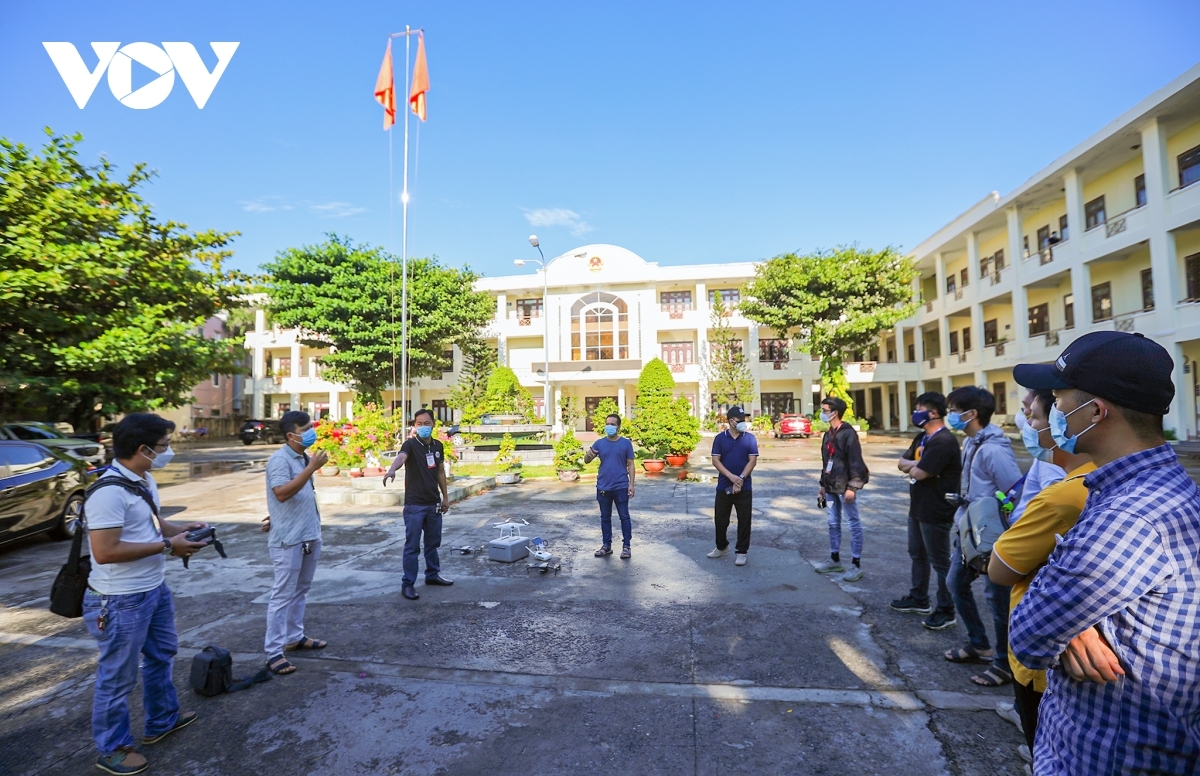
x=667 y=663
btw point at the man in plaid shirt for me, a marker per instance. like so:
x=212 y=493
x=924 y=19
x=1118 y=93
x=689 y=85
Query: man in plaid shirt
x=1115 y=612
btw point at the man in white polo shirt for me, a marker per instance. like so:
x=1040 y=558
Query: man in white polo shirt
x=128 y=608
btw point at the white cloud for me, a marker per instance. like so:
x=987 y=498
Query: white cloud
x=336 y=209
x=558 y=216
x=264 y=205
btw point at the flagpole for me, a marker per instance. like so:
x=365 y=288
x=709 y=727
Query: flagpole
x=404 y=243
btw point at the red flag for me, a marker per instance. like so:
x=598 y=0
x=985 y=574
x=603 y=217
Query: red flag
x=385 y=89
x=420 y=81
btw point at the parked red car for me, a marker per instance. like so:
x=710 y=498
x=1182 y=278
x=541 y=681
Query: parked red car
x=793 y=425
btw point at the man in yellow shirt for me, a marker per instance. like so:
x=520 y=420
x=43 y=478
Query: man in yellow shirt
x=1025 y=547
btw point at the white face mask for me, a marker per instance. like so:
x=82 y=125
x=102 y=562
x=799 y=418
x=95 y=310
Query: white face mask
x=742 y=427
x=161 y=459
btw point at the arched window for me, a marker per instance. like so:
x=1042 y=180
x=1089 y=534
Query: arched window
x=599 y=328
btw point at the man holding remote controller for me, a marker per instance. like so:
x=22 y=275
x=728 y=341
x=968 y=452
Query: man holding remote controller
x=294 y=525
x=128 y=607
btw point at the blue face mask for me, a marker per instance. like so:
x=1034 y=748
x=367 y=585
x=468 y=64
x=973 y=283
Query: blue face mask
x=1058 y=428
x=424 y=431
x=611 y=430
x=954 y=420
x=308 y=438
x=920 y=417
x=1031 y=437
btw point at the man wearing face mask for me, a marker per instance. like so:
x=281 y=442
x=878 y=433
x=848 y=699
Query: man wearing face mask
x=1025 y=546
x=1043 y=472
x=989 y=465
x=933 y=467
x=734 y=455
x=843 y=474
x=426 y=499
x=1115 y=612
x=614 y=483
x=128 y=607
x=294 y=538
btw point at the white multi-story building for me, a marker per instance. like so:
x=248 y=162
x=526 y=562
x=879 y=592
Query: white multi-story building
x=1113 y=223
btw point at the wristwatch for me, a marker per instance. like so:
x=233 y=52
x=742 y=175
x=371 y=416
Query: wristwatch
x=167 y=549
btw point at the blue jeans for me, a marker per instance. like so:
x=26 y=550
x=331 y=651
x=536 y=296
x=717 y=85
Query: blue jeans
x=838 y=505
x=135 y=624
x=607 y=498
x=421 y=519
x=960 y=579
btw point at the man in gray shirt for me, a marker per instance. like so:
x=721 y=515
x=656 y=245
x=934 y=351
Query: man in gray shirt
x=294 y=527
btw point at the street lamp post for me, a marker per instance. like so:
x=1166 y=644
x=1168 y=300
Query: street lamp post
x=533 y=240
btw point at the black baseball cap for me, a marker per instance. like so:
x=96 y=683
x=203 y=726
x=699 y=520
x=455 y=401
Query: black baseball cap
x=735 y=412
x=1126 y=369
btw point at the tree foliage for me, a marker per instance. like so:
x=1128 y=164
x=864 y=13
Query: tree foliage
x=837 y=300
x=347 y=297
x=506 y=396
x=604 y=408
x=467 y=395
x=661 y=422
x=725 y=365
x=101 y=304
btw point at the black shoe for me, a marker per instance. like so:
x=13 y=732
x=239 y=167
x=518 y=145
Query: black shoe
x=438 y=579
x=410 y=593
x=940 y=620
x=910 y=604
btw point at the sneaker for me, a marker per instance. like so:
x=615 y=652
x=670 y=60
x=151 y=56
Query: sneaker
x=912 y=605
x=122 y=762
x=1025 y=754
x=739 y=559
x=940 y=620
x=854 y=574
x=1009 y=713
x=184 y=719
x=830 y=567
x=718 y=552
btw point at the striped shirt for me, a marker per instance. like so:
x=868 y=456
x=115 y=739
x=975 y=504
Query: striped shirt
x=297 y=519
x=1132 y=565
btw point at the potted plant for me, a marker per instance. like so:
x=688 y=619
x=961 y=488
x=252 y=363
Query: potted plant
x=655 y=461
x=568 y=457
x=508 y=462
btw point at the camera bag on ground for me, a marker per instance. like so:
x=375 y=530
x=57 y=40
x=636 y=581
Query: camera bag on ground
x=212 y=673
x=66 y=594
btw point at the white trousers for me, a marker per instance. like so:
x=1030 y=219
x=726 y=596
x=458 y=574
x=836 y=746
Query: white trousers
x=293 y=577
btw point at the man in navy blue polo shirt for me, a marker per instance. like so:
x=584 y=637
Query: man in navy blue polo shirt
x=614 y=484
x=734 y=453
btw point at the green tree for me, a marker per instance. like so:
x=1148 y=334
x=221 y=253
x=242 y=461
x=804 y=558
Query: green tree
x=347 y=297
x=569 y=411
x=661 y=422
x=725 y=365
x=101 y=304
x=604 y=408
x=506 y=396
x=478 y=361
x=838 y=300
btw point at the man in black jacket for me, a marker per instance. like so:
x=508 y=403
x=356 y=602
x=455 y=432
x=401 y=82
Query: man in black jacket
x=843 y=474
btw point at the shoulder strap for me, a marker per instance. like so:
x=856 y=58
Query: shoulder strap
x=122 y=482
x=241 y=684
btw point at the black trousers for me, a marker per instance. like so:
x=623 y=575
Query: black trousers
x=929 y=545
x=1027 y=701
x=725 y=504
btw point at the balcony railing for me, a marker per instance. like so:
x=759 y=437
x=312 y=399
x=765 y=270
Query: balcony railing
x=1052 y=339
x=525 y=321
x=1124 y=322
x=933 y=363
x=677 y=368
x=962 y=357
x=996 y=276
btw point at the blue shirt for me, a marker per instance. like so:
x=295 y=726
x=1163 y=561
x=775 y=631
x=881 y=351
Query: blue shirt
x=1131 y=565
x=735 y=455
x=615 y=455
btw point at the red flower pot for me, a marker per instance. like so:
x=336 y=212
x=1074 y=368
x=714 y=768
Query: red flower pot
x=653 y=466
x=676 y=460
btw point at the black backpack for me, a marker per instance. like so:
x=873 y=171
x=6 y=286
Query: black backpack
x=212 y=673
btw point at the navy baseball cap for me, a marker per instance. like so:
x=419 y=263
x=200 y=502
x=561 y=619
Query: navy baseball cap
x=735 y=412
x=1126 y=369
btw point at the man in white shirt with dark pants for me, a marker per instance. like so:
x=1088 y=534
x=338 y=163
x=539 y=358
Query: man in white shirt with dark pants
x=128 y=607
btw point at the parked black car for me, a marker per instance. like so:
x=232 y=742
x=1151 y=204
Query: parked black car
x=40 y=490
x=261 y=431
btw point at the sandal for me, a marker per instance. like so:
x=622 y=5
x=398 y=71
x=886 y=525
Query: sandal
x=993 y=677
x=967 y=654
x=307 y=643
x=625 y=554
x=604 y=550
x=279 y=665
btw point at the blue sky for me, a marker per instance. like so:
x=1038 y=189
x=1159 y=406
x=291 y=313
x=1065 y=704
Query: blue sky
x=688 y=133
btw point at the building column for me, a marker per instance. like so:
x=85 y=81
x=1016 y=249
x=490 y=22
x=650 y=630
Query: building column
x=1081 y=275
x=334 y=409
x=886 y=411
x=940 y=269
x=1020 y=298
x=901 y=353
x=902 y=408
x=555 y=414
x=502 y=350
x=977 y=305
x=502 y=307
x=1081 y=290
x=1176 y=416
x=944 y=341
x=701 y=301
x=701 y=358
x=621 y=399
x=1163 y=261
